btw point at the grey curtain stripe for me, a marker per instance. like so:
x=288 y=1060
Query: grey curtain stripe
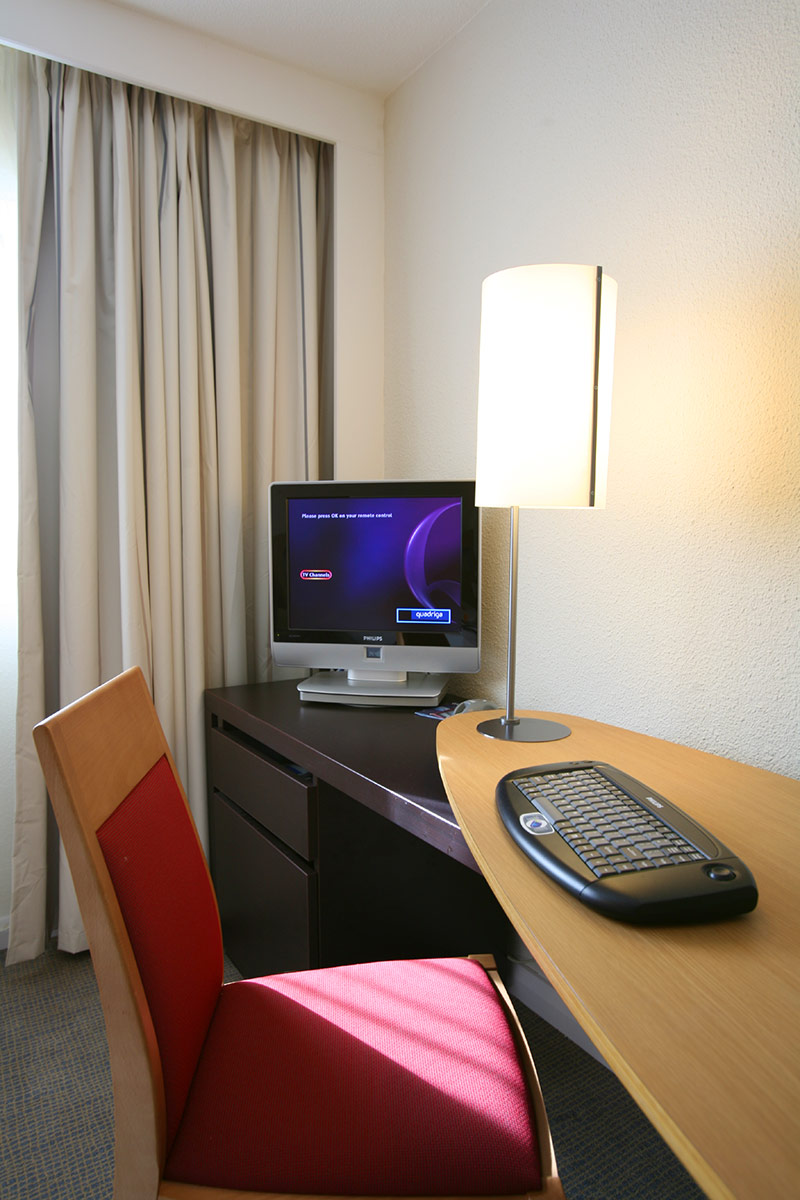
x=163 y=181
x=301 y=253
x=55 y=127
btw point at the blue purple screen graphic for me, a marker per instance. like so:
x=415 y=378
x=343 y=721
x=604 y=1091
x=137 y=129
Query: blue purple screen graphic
x=375 y=565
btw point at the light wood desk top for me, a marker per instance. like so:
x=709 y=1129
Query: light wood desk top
x=699 y=1022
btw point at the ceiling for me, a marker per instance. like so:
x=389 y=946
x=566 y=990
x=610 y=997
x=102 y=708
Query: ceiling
x=372 y=45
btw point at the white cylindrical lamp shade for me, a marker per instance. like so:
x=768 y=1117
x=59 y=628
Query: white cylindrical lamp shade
x=542 y=442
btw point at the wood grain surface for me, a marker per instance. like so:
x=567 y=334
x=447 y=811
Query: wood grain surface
x=700 y=1022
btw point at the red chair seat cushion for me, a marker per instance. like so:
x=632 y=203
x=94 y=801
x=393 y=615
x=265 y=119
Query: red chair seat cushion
x=378 y=1079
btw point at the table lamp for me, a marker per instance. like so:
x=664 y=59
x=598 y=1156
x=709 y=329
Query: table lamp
x=544 y=406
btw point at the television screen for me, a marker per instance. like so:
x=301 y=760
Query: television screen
x=376 y=579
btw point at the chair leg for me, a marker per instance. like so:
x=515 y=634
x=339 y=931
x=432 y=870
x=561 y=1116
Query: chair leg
x=551 y=1184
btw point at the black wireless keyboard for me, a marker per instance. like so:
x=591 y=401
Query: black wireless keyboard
x=620 y=847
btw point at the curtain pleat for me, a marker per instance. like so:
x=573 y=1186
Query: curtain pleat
x=29 y=857
x=231 y=467
x=173 y=261
x=135 y=620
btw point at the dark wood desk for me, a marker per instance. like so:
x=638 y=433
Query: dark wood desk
x=331 y=838
x=699 y=1022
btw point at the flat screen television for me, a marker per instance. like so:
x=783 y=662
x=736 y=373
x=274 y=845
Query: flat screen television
x=375 y=587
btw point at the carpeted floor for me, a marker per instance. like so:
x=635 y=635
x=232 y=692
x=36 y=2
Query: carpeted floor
x=56 y=1121
x=605 y=1147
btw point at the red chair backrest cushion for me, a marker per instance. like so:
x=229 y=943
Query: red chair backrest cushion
x=170 y=912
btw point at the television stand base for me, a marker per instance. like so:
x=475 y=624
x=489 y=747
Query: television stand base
x=416 y=690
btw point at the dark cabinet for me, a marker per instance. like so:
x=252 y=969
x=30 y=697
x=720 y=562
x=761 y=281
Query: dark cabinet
x=262 y=833
x=267 y=898
x=331 y=840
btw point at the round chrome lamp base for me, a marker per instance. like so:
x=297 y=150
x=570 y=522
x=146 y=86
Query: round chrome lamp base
x=524 y=729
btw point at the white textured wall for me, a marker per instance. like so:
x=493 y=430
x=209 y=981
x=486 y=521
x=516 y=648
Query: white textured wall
x=660 y=140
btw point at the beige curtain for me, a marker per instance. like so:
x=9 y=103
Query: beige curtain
x=174 y=269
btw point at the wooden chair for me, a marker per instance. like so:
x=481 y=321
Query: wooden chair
x=381 y=1079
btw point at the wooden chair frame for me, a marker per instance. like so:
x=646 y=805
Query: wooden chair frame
x=93 y=753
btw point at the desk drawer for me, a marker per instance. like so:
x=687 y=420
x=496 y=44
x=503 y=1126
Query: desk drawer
x=267 y=791
x=267 y=899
